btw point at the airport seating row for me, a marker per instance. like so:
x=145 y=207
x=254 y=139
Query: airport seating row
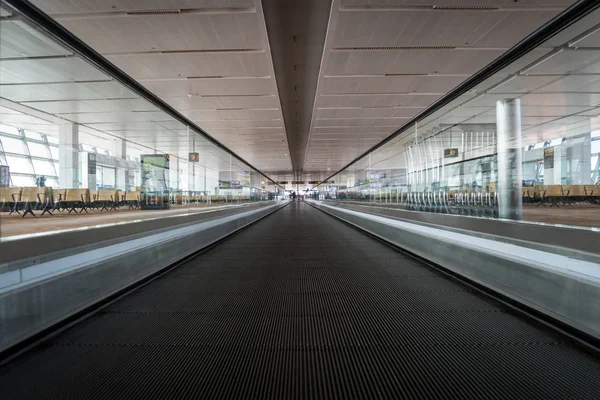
x=480 y=201
x=26 y=200
x=559 y=195
x=184 y=197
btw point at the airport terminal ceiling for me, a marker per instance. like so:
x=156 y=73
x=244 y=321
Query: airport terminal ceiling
x=254 y=85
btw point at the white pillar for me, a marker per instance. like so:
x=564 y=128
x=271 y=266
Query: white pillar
x=122 y=178
x=68 y=156
x=509 y=149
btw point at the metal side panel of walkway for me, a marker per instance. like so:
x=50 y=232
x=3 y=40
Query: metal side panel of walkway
x=300 y=305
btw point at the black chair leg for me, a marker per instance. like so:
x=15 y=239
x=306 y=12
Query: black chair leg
x=28 y=210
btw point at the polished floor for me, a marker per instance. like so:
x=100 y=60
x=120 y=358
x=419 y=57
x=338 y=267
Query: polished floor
x=14 y=224
x=300 y=305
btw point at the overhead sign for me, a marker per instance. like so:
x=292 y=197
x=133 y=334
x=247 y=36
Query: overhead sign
x=194 y=157
x=298 y=182
x=549 y=158
x=279 y=183
x=450 y=153
x=319 y=182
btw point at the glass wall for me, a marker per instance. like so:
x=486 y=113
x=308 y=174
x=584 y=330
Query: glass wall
x=78 y=148
x=522 y=145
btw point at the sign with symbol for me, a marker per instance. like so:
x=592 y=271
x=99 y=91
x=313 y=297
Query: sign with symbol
x=194 y=157
x=450 y=153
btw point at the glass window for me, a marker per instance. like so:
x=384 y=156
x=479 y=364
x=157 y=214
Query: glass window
x=33 y=135
x=52 y=139
x=19 y=164
x=88 y=148
x=52 y=182
x=9 y=129
x=54 y=152
x=12 y=145
x=38 y=149
x=18 y=180
x=56 y=167
x=43 y=167
x=596 y=146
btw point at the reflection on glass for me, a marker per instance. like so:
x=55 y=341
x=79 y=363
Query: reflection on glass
x=523 y=145
x=91 y=151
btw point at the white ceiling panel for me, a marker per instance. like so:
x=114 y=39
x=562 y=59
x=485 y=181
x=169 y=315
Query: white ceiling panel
x=569 y=61
x=76 y=6
x=394 y=84
x=91 y=106
x=18 y=39
x=128 y=126
x=374 y=100
x=550 y=111
x=219 y=87
x=66 y=91
x=371 y=112
x=360 y=122
x=49 y=70
x=208 y=125
x=173 y=66
x=511 y=3
x=590 y=40
x=574 y=84
x=436 y=28
x=409 y=62
x=10 y=119
x=561 y=99
x=199 y=103
x=168 y=32
x=375 y=129
x=84 y=118
x=523 y=84
x=234 y=115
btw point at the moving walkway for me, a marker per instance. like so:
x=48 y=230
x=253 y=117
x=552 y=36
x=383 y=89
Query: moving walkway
x=301 y=305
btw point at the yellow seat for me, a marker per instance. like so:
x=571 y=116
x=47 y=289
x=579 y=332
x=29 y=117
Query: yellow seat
x=132 y=199
x=106 y=199
x=552 y=194
x=593 y=193
x=77 y=198
x=34 y=198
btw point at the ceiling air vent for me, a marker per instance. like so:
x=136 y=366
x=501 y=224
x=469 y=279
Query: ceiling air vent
x=405 y=74
x=388 y=48
x=206 y=77
x=465 y=8
x=153 y=12
x=206 y=51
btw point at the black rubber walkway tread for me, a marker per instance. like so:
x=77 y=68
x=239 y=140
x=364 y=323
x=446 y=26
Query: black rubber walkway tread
x=302 y=306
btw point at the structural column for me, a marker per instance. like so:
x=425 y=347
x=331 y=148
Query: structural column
x=509 y=149
x=122 y=176
x=68 y=156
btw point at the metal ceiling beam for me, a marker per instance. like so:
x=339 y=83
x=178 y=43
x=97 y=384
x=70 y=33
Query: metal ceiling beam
x=61 y=34
x=568 y=17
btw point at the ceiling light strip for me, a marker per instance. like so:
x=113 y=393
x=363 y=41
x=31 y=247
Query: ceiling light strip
x=392 y=48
